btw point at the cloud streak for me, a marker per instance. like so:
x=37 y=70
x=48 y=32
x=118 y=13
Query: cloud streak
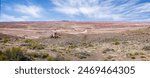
x=116 y=10
x=5 y=17
x=31 y=10
x=21 y=12
x=85 y=10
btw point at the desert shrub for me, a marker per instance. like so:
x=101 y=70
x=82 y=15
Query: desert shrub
x=2 y=56
x=16 y=54
x=133 y=55
x=33 y=44
x=36 y=46
x=108 y=50
x=55 y=36
x=143 y=56
x=146 y=48
x=57 y=58
x=51 y=58
x=87 y=45
x=116 y=42
x=54 y=49
x=5 y=40
x=109 y=57
x=113 y=59
x=61 y=50
x=28 y=41
x=25 y=44
x=72 y=46
x=125 y=42
x=67 y=51
x=82 y=55
x=39 y=55
x=129 y=55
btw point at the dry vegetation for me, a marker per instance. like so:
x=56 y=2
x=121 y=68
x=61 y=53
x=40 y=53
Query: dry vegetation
x=129 y=45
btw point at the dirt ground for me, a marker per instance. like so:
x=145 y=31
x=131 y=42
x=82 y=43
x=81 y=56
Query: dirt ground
x=78 y=41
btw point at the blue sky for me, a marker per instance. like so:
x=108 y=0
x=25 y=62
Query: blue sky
x=75 y=10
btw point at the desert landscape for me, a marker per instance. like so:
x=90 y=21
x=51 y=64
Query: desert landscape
x=74 y=41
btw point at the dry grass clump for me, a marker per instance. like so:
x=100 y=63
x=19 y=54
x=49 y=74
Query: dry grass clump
x=146 y=48
x=15 y=54
x=82 y=55
x=5 y=40
x=108 y=50
x=110 y=58
x=143 y=56
x=72 y=46
x=36 y=46
x=60 y=50
x=116 y=42
x=133 y=55
x=41 y=55
x=2 y=56
x=57 y=58
x=31 y=44
x=87 y=45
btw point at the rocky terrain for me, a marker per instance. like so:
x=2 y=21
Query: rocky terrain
x=75 y=41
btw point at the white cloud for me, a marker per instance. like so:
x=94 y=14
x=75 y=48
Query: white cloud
x=76 y=7
x=21 y=12
x=31 y=10
x=144 y=8
x=117 y=10
x=5 y=17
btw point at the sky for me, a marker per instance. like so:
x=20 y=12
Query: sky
x=74 y=10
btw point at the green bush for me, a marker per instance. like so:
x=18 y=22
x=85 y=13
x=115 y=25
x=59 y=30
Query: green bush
x=2 y=56
x=28 y=41
x=5 y=40
x=51 y=58
x=34 y=45
x=16 y=54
